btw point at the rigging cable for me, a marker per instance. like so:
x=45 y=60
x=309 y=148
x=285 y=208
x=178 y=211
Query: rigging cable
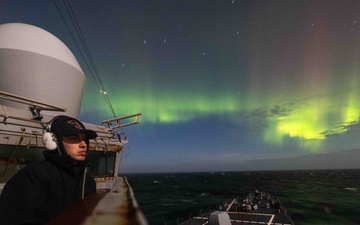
x=96 y=77
x=78 y=30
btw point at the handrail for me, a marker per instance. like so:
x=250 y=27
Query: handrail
x=6 y=117
x=39 y=125
x=30 y=102
x=118 y=121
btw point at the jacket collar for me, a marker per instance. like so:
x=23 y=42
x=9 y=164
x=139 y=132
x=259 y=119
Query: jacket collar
x=64 y=162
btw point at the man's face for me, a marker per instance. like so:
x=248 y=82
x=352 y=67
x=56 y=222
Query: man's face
x=75 y=146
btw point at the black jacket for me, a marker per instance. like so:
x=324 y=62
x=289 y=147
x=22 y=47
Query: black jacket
x=41 y=190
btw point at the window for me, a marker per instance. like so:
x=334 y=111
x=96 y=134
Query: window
x=102 y=163
x=13 y=158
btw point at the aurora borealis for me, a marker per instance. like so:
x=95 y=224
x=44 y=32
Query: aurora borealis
x=221 y=85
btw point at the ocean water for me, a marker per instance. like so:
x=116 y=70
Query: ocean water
x=310 y=197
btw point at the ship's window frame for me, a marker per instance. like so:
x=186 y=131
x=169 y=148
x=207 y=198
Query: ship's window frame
x=102 y=163
x=15 y=157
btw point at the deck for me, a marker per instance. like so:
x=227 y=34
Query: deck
x=111 y=207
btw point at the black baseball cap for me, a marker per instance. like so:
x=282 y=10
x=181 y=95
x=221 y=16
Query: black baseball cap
x=66 y=126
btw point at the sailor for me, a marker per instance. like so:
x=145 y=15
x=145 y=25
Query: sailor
x=41 y=190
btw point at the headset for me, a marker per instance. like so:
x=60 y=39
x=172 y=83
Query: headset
x=49 y=139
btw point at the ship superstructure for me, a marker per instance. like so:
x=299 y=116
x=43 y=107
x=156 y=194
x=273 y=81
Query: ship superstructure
x=40 y=79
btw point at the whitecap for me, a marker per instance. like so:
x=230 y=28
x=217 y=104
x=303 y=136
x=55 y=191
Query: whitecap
x=350 y=189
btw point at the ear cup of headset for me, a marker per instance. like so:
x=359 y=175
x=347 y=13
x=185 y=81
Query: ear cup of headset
x=49 y=141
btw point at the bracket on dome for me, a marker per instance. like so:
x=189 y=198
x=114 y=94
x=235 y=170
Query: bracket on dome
x=34 y=106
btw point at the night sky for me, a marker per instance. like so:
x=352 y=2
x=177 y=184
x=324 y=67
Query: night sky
x=221 y=85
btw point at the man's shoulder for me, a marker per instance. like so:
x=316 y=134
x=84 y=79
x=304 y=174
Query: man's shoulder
x=35 y=172
x=40 y=164
x=38 y=167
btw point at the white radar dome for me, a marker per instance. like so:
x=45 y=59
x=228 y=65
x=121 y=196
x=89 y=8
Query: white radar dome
x=37 y=65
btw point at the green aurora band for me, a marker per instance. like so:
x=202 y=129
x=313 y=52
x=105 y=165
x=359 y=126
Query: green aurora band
x=311 y=120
